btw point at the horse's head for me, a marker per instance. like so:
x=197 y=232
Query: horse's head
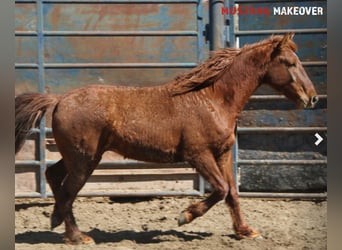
x=286 y=74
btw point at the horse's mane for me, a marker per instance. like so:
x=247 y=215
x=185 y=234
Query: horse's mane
x=210 y=70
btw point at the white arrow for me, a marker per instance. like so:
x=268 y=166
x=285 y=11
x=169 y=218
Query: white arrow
x=319 y=139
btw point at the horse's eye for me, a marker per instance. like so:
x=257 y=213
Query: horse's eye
x=287 y=62
x=290 y=64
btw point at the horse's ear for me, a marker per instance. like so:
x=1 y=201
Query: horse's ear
x=287 y=37
x=291 y=35
x=281 y=44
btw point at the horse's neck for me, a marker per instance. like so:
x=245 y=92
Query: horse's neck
x=237 y=85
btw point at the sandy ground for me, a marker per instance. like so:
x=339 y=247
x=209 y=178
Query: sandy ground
x=151 y=223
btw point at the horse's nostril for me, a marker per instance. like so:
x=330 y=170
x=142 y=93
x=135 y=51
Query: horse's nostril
x=314 y=100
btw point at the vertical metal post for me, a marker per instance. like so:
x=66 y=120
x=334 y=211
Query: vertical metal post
x=236 y=162
x=200 y=41
x=216 y=24
x=230 y=38
x=217 y=38
x=200 y=29
x=41 y=78
x=229 y=22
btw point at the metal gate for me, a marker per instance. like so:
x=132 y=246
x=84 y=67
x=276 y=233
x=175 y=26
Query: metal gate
x=62 y=45
x=275 y=150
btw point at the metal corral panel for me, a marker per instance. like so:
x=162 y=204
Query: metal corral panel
x=79 y=43
x=276 y=150
x=62 y=45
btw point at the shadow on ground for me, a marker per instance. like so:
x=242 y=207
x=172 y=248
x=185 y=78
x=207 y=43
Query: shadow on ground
x=148 y=237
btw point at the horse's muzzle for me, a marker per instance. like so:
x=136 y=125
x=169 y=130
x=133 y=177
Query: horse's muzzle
x=313 y=101
x=307 y=102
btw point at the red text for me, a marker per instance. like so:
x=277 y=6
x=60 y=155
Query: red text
x=245 y=10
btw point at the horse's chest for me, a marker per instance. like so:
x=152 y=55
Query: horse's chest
x=223 y=141
x=220 y=134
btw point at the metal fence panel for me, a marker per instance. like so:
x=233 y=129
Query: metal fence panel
x=275 y=150
x=61 y=45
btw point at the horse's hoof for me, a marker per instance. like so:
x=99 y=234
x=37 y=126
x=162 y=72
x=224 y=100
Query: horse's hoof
x=184 y=218
x=254 y=235
x=55 y=221
x=80 y=239
x=258 y=237
x=248 y=233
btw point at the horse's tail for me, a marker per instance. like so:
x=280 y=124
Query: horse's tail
x=29 y=110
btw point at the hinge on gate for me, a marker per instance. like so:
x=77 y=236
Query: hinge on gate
x=51 y=145
x=206 y=33
x=50 y=141
x=227 y=32
x=238 y=177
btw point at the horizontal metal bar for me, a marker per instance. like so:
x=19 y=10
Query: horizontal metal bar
x=37 y=131
x=315 y=63
x=131 y=164
x=29 y=195
x=106 y=65
x=118 y=194
x=279 y=31
x=25 y=1
x=242 y=130
x=278 y=97
x=110 y=33
x=27 y=163
x=271 y=1
x=117 y=164
x=185 y=193
x=125 y=65
x=282 y=162
x=120 y=1
x=108 y=1
x=246 y=130
x=26 y=65
x=122 y=33
x=139 y=165
x=141 y=193
x=283 y=195
x=119 y=65
x=26 y=33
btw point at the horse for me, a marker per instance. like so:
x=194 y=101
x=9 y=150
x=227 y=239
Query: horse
x=192 y=119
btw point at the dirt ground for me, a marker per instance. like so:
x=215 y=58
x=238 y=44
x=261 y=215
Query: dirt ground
x=151 y=223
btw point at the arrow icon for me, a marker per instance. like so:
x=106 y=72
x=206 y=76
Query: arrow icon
x=319 y=139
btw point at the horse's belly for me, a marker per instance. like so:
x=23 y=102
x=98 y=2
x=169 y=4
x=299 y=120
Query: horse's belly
x=144 y=136
x=151 y=145
x=148 y=153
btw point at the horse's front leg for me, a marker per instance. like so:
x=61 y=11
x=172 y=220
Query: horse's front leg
x=206 y=165
x=242 y=230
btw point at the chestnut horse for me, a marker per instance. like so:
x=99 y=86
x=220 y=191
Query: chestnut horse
x=192 y=118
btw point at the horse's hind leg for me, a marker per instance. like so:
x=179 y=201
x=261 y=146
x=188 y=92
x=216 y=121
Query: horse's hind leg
x=242 y=230
x=55 y=175
x=207 y=167
x=79 y=169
